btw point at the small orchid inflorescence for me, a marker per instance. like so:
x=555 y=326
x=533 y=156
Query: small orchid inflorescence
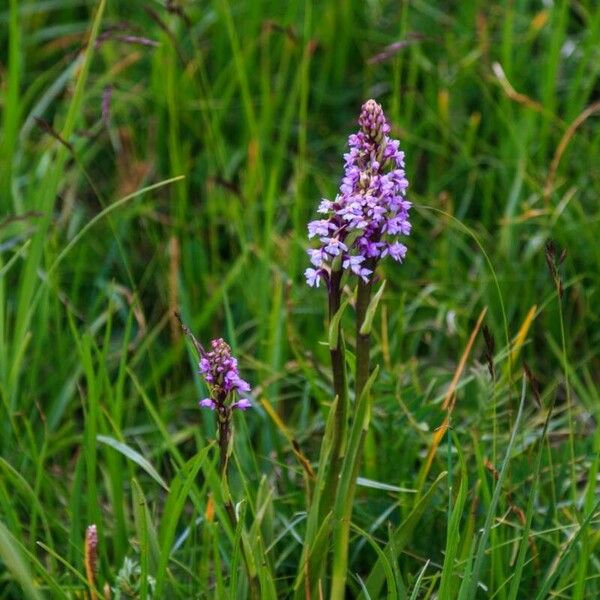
x=363 y=222
x=220 y=371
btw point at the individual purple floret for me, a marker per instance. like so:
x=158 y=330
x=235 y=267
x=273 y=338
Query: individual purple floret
x=208 y=403
x=221 y=373
x=243 y=404
x=370 y=211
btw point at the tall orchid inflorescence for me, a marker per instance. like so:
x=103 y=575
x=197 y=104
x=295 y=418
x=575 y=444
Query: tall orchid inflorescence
x=359 y=227
x=220 y=372
x=370 y=211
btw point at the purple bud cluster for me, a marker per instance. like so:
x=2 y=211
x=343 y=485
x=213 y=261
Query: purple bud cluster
x=370 y=211
x=220 y=371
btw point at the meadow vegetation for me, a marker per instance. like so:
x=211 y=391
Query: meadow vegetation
x=164 y=158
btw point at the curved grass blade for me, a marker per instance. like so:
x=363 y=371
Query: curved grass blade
x=180 y=490
x=134 y=456
x=415 y=593
x=448 y=581
x=518 y=569
x=474 y=576
x=10 y=553
x=555 y=570
x=388 y=569
x=399 y=538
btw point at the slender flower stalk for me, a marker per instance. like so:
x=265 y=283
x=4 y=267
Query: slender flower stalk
x=554 y=259
x=340 y=388
x=358 y=228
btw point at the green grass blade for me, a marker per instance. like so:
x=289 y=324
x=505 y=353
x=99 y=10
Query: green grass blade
x=415 y=593
x=401 y=537
x=180 y=491
x=134 y=456
x=11 y=554
x=533 y=492
x=344 y=501
x=387 y=566
x=314 y=545
x=555 y=569
x=475 y=573
x=448 y=580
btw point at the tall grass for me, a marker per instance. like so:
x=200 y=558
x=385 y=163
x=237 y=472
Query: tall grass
x=154 y=160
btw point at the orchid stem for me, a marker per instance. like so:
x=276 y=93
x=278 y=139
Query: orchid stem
x=342 y=536
x=338 y=368
x=363 y=341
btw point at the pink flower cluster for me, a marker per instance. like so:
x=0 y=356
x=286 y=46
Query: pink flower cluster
x=364 y=221
x=221 y=373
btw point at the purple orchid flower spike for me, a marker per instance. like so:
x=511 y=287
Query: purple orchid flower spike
x=362 y=223
x=220 y=371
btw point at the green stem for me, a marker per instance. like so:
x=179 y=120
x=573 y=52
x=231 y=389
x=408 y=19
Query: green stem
x=224 y=434
x=363 y=341
x=568 y=393
x=338 y=369
x=342 y=535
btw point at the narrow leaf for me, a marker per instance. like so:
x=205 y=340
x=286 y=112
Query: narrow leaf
x=365 y=328
x=173 y=508
x=134 y=456
x=415 y=592
x=495 y=498
x=453 y=534
x=334 y=326
x=11 y=556
x=399 y=538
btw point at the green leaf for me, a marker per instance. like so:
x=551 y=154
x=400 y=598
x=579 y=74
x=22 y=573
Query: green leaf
x=334 y=325
x=134 y=456
x=415 y=593
x=399 y=538
x=387 y=566
x=495 y=498
x=180 y=490
x=557 y=566
x=146 y=533
x=10 y=553
x=365 y=328
x=386 y=487
x=314 y=544
x=345 y=493
x=524 y=543
x=453 y=533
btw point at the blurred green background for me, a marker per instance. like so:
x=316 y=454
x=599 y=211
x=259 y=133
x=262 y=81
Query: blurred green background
x=496 y=106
